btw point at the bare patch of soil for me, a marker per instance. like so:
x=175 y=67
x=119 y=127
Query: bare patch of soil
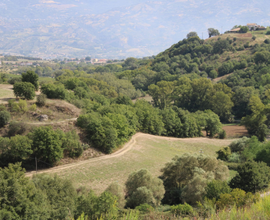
x=235 y=131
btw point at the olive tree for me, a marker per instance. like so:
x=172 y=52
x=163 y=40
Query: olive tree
x=24 y=90
x=188 y=175
x=142 y=187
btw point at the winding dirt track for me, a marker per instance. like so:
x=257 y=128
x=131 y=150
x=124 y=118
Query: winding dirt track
x=128 y=146
x=119 y=153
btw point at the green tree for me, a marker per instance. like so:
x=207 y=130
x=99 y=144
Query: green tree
x=255 y=123
x=149 y=119
x=24 y=90
x=162 y=93
x=238 y=198
x=31 y=77
x=215 y=188
x=244 y=29
x=104 y=206
x=100 y=131
x=60 y=195
x=142 y=188
x=41 y=100
x=47 y=145
x=213 y=32
x=192 y=34
x=20 y=199
x=117 y=190
x=189 y=174
x=251 y=176
x=4 y=118
x=224 y=153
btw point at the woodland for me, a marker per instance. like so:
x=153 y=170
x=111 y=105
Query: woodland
x=194 y=86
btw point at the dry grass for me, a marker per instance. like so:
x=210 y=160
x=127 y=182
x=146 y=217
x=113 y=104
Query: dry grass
x=6 y=93
x=148 y=151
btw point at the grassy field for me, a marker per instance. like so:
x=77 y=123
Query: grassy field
x=148 y=152
x=6 y=93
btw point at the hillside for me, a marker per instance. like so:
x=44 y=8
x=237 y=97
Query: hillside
x=114 y=29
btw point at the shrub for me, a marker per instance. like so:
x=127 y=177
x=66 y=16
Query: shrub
x=215 y=188
x=41 y=100
x=267 y=41
x=238 y=198
x=246 y=45
x=253 y=37
x=145 y=208
x=21 y=106
x=222 y=134
x=234 y=39
x=47 y=145
x=239 y=145
x=142 y=188
x=31 y=77
x=234 y=158
x=3 y=108
x=118 y=191
x=251 y=176
x=180 y=209
x=268 y=32
x=4 y=118
x=13 y=80
x=224 y=153
x=213 y=74
x=24 y=90
x=33 y=107
x=16 y=128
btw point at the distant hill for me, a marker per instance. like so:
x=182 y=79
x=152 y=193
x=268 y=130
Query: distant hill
x=115 y=29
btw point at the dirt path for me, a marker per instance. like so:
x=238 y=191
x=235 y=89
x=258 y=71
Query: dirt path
x=119 y=153
x=128 y=146
x=51 y=123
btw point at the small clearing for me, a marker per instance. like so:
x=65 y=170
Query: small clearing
x=6 y=93
x=142 y=151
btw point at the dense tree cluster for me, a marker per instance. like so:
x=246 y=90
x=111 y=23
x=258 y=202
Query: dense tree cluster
x=44 y=143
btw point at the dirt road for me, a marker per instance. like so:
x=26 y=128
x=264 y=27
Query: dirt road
x=128 y=146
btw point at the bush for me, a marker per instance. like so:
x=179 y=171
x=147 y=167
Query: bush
x=41 y=100
x=224 y=153
x=267 y=41
x=53 y=91
x=215 y=188
x=213 y=74
x=222 y=134
x=142 y=188
x=16 y=128
x=251 y=176
x=234 y=158
x=24 y=90
x=47 y=145
x=253 y=37
x=118 y=191
x=239 y=145
x=145 y=208
x=31 y=77
x=13 y=80
x=3 y=108
x=268 y=32
x=180 y=209
x=238 y=198
x=33 y=107
x=4 y=118
x=21 y=106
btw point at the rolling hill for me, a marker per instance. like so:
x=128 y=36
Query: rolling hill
x=115 y=29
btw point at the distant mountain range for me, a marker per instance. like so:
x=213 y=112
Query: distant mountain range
x=116 y=28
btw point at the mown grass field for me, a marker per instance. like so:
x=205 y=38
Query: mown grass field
x=6 y=93
x=148 y=152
